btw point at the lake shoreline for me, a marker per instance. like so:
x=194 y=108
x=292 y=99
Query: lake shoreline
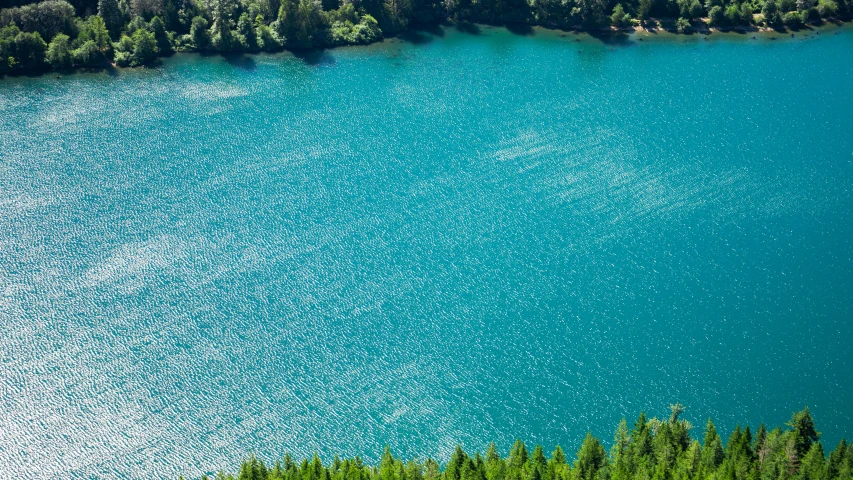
x=654 y=26
x=439 y=239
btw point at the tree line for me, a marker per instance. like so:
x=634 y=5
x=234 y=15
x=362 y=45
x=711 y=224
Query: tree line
x=58 y=34
x=652 y=449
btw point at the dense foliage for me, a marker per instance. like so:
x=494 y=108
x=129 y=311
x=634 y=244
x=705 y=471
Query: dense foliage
x=58 y=34
x=652 y=449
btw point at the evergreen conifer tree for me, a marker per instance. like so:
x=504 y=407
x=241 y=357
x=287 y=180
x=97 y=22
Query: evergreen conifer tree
x=414 y=470
x=591 y=457
x=836 y=460
x=111 y=13
x=517 y=456
x=619 y=451
x=431 y=470
x=712 y=448
x=803 y=427
x=386 y=465
x=813 y=464
x=641 y=442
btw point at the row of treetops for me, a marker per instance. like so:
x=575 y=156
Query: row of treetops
x=56 y=34
x=653 y=449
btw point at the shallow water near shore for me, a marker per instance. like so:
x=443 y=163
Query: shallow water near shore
x=448 y=237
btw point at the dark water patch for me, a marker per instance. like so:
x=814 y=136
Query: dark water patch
x=315 y=57
x=434 y=29
x=521 y=29
x=241 y=61
x=416 y=37
x=612 y=38
x=469 y=28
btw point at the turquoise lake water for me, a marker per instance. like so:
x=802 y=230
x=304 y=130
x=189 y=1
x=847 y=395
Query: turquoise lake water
x=447 y=238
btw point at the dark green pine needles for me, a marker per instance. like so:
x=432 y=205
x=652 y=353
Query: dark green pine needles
x=653 y=449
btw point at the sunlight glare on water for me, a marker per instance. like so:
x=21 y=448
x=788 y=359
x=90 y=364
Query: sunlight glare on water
x=446 y=238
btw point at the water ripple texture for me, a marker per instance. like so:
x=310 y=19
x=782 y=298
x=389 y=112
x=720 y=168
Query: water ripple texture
x=467 y=239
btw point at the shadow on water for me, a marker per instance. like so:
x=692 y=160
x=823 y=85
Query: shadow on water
x=416 y=37
x=37 y=74
x=105 y=68
x=315 y=58
x=611 y=38
x=739 y=31
x=434 y=29
x=798 y=28
x=243 y=62
x=520 y=29
x=469 y=28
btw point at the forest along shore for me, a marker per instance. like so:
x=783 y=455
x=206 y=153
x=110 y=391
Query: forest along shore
x=654 y=449
x=61 y=35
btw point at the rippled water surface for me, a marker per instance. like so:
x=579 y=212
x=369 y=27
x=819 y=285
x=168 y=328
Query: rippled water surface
x=447 y=238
